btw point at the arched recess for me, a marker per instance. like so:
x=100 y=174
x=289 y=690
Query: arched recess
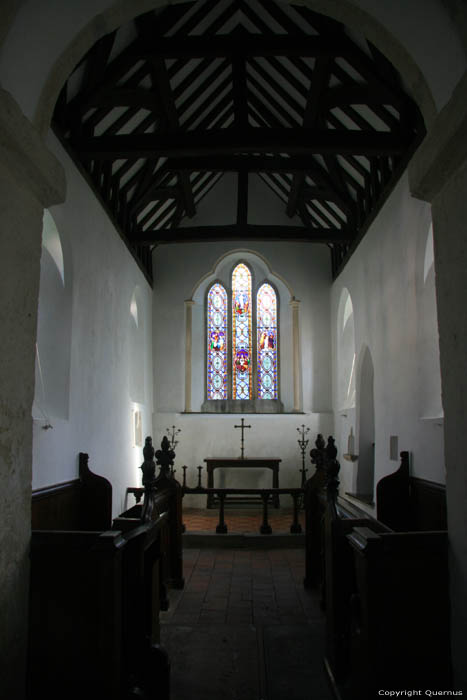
x=365 y=426
x=345 y=352
x=429 y=372
x=346 y=11
x=53 y=346
x=137 y=345
x=345 y=374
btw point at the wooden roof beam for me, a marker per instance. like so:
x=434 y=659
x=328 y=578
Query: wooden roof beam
x=227 y=45
x=168 y=102
x=318 y=85
x=299 y=141
x=241 y=163
x=192 y=234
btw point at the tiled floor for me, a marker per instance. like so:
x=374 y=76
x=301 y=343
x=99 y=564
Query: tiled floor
x=244 y=628
x=239 y=519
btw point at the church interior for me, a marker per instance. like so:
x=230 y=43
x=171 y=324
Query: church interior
x=168 y=271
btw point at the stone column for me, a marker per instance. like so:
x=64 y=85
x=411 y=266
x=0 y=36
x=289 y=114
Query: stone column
x=30 y=178
x=188 y=336
x=438 y=174
x=295 y=304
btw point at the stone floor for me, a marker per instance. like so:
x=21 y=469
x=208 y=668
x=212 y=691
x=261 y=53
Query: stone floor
x=244 y=628
x=240 y=519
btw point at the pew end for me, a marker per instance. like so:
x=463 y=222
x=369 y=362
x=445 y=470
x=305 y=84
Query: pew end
x=96 y=591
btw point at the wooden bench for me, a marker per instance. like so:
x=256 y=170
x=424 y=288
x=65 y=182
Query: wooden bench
x=385 y=592
x=95 y=596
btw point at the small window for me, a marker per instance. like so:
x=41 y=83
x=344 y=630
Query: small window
x=217 y=343
x=266 y=315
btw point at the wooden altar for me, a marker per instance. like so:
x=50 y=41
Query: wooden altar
x=245 y=463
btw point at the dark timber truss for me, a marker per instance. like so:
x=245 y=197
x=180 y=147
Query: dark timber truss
x=157 y=112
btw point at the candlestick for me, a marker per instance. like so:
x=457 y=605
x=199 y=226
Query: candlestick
x=303 y=445
x=171 y=434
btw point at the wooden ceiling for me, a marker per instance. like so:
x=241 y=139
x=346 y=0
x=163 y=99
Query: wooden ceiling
x=158 y=111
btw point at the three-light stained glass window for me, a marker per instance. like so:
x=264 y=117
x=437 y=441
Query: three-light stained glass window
x=240 y=366
x=217 y=343
x=241 y=333
x=266 y=324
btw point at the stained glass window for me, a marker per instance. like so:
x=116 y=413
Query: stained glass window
x=217 y=343
x=241 y=333
x=266 y=323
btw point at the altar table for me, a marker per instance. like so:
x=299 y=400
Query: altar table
x=245 y=463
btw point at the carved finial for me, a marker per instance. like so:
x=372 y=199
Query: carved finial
x=165 y=457
x=331 y=449
x=317 y=454
x=332 y=468
x=148 y=449
x=83 y=464
x=148 y=467
x=320 y=444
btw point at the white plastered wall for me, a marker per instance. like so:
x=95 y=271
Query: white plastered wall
x=393 y=309
x=102 y=388
x=183 y=272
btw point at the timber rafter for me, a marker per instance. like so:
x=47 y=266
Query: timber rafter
x=197 y=90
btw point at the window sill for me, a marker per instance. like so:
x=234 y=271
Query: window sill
x=247 y=406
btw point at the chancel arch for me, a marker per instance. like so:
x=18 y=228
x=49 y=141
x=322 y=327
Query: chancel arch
x=80 y=35
x=70 y=46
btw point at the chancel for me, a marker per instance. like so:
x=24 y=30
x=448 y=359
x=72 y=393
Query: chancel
x=233 y=218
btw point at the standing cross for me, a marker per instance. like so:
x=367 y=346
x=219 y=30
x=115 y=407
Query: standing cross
x=242 y=426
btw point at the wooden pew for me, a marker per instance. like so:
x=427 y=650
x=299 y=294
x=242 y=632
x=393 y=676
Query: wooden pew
x=400 y=626
x=94 y=599
x=339 y=586
x=315 y=506
x=81 y=504
x=385 y=592
x=409 y=504
x=162 y=493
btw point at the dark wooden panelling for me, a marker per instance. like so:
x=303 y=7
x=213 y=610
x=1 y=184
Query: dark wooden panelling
x=57 y=507
x=427 y=505
x=392 y=497
x=79 y=504
x=408 y=503
x=96 y=498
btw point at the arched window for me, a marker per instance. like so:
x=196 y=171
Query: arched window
x=242 y=351
x=217 y=343
x=241 y=332
x=266 y=319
